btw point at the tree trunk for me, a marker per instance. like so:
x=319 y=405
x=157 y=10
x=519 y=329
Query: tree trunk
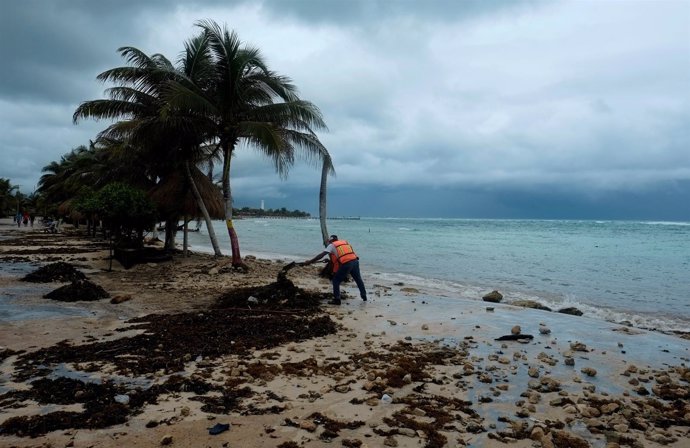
x=227 y=199
x=170 y=231
x=327 y=270
x=204 y=212
x=185 y=239
x=322 y=203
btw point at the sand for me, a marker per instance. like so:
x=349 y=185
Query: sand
x=407 y=368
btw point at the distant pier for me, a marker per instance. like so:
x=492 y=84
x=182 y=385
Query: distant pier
x=350 y=218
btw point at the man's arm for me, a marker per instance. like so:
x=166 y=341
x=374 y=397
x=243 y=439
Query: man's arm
x=317 y=258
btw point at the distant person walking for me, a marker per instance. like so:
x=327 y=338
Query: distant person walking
x=19 y=219
x=345 y=261
x=26 y=219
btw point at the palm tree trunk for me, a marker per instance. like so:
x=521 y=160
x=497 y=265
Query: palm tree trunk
x=322 y=203
x=204 y=211
x=227 y=198
x=185 y=239
x=327 y=270
x=170 y=231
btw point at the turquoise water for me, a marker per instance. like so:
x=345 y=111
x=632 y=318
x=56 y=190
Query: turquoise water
x=620 y=271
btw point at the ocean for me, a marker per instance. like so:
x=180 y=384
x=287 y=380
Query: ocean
x=630 y=272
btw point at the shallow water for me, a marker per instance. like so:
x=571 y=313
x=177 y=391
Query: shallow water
x=455 y=320
x=612 y=270
x=13 y=305
x=451 y=323
x=18 y=302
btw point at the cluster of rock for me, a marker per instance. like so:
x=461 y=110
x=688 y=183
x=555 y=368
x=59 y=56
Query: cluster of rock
x=496 y=297
x=625 y=420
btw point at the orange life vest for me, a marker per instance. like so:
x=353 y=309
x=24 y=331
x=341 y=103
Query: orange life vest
x=345 y=254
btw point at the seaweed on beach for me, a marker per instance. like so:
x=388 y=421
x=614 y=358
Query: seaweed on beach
x=100 y=402
x=282 y=294
x=54 y=272
x=169 y=341
x=80 y=290
x=167 y=344
x=100 y=408
x=6 y=353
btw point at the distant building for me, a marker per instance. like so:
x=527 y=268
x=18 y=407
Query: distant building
x=262 y=204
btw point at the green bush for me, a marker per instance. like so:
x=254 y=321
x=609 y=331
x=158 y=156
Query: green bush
x=126 y=210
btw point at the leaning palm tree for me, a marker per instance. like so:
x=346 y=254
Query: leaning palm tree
x=138 y=101
x=244 y=102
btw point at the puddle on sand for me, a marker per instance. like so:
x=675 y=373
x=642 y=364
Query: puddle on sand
x=64 y=371
x=18 y=303
x=18 y=269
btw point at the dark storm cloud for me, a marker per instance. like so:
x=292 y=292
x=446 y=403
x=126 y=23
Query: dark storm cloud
x=47 y=55
x=664 y=202
x=434 y=107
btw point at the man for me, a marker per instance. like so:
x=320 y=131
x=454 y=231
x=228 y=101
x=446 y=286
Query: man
x=345 y=261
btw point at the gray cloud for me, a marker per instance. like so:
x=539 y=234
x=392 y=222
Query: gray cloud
x=585 y=100
x=359 y=12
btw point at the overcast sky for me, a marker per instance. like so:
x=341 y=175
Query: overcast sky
x=505 y=109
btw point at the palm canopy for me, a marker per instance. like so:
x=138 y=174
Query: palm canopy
x=163 y=142
x=241 y=101
x=219 y=94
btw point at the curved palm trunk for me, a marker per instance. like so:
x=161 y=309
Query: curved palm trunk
x=227 y=198
x=322 y=203
x=327 y=270
x=204 y=211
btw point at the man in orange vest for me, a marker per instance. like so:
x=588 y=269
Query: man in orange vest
x=345 y=261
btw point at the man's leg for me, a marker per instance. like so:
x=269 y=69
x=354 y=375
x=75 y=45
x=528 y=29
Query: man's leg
x=338 y=277
x=357 y=276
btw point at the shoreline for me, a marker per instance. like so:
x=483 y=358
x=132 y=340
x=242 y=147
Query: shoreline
x=465 y=292
x=475 y=391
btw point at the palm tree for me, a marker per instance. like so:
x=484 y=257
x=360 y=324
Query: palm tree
x=244 y=102
x=61 y=180
x=164 y=138
x=6 y=189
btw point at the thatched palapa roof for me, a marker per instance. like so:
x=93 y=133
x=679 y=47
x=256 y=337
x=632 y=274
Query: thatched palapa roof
x=173 y=196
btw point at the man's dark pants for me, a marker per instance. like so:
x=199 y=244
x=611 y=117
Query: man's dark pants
x=352 y=268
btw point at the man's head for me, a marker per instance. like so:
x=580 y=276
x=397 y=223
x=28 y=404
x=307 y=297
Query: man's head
x=332 y=238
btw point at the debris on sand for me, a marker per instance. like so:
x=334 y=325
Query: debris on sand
x=80 y=290
x=55 y=272
x=283 y=294
x=168 y=343
x=101 y=408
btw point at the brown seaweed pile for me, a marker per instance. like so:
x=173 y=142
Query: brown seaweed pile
x=281 y=295
x=55 y=272
x=167 y=344
x=100 y=402
x=80 y=290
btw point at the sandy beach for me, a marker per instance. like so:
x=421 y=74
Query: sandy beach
x=183 y=347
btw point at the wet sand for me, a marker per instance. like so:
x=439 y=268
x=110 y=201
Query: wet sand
x=450 y=383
